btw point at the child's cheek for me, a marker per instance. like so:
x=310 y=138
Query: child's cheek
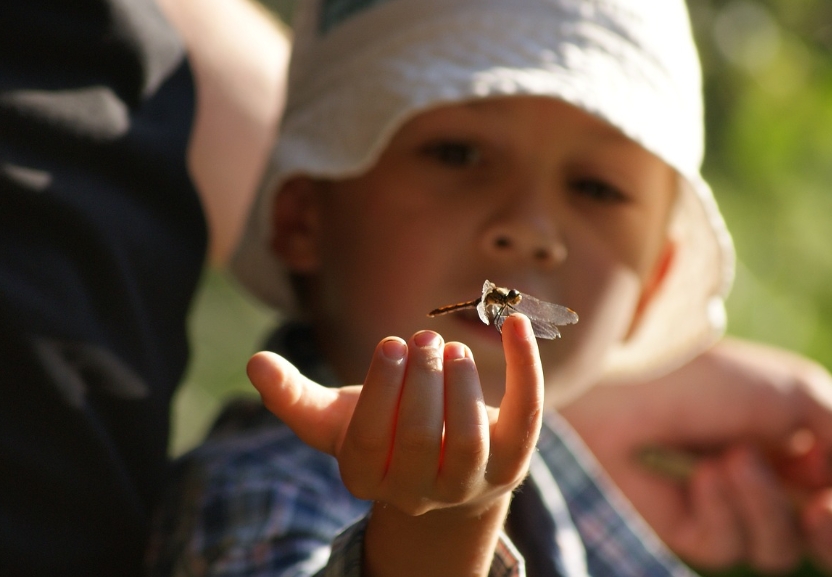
x=578 y=360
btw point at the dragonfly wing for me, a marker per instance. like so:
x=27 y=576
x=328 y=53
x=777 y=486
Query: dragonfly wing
x=544 y=329
x=546 y=312
x=482 y=310
x=545 y=317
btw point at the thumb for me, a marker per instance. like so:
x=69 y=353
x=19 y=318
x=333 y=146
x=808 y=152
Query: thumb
x=318 y=415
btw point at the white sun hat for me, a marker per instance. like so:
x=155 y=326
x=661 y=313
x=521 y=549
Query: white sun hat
x=361 y=68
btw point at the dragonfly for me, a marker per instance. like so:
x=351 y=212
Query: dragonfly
x=497 y=303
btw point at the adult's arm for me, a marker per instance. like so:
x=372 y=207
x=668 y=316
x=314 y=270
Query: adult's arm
x=239 y=54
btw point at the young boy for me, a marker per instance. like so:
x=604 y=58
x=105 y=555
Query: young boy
x=428 y=145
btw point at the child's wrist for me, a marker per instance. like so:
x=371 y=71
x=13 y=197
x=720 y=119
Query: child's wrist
x=456 y=540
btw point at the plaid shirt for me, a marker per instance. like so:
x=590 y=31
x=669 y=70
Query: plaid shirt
x=255 y=500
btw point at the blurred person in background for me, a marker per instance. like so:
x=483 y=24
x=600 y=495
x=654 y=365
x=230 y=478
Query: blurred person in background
x=131 y=138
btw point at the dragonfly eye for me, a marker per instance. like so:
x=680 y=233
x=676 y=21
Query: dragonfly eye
x=512 y=294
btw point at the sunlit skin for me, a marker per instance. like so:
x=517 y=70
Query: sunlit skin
x=535 y=195
x=530 y=193
x=418 y=441
x=744 y=403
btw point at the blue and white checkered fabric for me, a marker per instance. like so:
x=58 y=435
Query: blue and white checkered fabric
x=255 y=500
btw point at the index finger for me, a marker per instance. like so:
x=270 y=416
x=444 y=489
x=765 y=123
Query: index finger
x=515 y=433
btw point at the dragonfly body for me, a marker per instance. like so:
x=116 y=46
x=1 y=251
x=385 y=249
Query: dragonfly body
x=496 y=303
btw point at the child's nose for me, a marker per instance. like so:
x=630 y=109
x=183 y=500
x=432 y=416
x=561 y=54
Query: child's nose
x=533 y=239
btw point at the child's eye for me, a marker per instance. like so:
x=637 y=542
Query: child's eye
x=598 y=190
x=457 y=154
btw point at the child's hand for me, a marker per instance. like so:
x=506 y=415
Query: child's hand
x=419 y=440
x=749 y=500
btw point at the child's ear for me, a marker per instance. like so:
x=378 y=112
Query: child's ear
x=296 y=225
x=654 y=282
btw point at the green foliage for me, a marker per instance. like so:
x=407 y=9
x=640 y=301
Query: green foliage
x=768 y=88
x=225 y=328
x=769 y=160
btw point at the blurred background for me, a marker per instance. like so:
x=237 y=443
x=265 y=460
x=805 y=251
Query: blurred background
x=768 y=87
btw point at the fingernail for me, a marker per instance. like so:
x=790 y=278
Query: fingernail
x=523 y=328
x=394 y=349
x=455 y=351
x=426 y=339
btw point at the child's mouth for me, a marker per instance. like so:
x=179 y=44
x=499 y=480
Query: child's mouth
x=473 y=325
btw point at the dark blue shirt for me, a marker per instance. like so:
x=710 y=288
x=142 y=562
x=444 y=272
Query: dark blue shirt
x=102 y=240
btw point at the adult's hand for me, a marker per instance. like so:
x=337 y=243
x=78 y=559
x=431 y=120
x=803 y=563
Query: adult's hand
x=759 y=420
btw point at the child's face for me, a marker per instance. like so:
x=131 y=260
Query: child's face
x=530 y=193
